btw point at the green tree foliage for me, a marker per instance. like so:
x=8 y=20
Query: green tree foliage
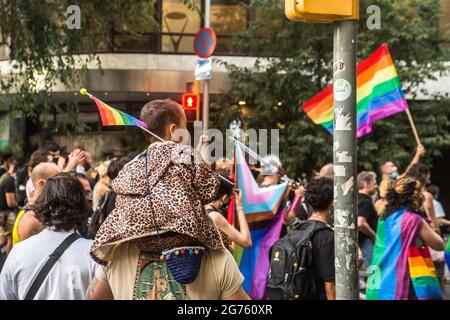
x=44 y=50
x=295 y=63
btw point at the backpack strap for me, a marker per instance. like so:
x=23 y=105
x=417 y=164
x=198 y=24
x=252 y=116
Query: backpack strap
x=37 y=283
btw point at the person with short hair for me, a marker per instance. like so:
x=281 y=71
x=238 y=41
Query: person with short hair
x=26 y=224
x=367 y=215
x=8 y=205
x=438 y=208
x=319 y=195
x=159 y=206
x=62 y=209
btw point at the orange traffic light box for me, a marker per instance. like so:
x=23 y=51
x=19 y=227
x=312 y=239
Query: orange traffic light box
x=324 y=11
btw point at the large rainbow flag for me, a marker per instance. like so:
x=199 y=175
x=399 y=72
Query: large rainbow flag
x=379 y=94
x=254 y=262
x=113 y=117
x=397 y=262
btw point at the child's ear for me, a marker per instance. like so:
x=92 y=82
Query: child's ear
x=172 y=128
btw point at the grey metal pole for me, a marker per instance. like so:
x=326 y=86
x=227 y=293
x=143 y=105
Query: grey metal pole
x=205 y=111
x=344 y=160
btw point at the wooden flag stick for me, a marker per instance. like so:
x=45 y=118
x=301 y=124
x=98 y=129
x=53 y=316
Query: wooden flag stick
x=413 y=126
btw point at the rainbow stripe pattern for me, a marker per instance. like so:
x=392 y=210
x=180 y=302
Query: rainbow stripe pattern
x=447 y=254
x=423 y=274
x=114 y=117
x=258 y=203
x=254 y=262
x=379 y=94
x=396 y=262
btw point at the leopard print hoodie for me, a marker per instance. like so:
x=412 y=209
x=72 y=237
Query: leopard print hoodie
x=180 y=183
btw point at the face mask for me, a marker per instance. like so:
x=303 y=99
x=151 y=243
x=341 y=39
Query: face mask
x=393 y=175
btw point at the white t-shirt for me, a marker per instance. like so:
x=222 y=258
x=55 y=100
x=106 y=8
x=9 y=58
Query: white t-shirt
x=438 y=209
x=68 y=279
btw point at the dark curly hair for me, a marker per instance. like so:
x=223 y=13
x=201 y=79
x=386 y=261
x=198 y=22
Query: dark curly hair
x=115 y=166
x=62 y=204
x=319 y=194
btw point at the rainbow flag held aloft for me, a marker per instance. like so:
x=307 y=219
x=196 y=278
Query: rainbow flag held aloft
x=114 y=117
x=397 y=262
x=447 y=254
x=379 y=94
x=254 y=262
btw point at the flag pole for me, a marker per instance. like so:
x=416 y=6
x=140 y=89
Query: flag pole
x=413 y=126
x=85 y=92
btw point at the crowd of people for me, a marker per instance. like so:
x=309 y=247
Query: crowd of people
x=155 y=224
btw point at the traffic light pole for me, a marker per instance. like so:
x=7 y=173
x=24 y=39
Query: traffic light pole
x=205 y=111
x=345 y=160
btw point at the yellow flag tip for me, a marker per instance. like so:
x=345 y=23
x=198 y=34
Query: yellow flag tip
x=83 y=91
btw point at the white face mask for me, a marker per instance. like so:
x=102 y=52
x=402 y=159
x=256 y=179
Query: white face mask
x=80 y=169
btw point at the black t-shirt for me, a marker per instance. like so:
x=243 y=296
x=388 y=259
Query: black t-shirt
x=366 y=210
x=2 y=171
x=323 y=256
x=6 y=186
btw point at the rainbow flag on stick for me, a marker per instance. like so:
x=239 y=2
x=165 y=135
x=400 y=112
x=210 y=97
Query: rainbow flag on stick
x=111 y=116
x=379 y=94
x=260 y=206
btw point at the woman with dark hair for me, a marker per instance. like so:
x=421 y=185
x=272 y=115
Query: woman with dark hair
x=422 y=173
x=401 y=255
x=217 y=211
x=61 y=208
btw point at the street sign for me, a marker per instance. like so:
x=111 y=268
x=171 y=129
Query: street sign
x=205 y=42
x=203 y=69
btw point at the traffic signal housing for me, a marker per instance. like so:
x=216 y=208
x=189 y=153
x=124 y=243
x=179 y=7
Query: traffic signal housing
x=190 y=101
x=324 y=11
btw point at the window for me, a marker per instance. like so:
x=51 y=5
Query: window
x=228 y=18
x=131 y=35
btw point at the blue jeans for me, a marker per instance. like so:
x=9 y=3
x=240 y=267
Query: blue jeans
x=366 y=246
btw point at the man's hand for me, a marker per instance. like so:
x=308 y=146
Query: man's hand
x=204 y=140
x=76 y=157
x=420 y=151
x=300 y=191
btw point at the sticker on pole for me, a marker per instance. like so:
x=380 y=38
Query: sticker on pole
x=205 y=42
x=203 y=69
x=342 y=90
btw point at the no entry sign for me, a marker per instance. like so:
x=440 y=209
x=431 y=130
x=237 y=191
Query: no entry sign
x=205 y=42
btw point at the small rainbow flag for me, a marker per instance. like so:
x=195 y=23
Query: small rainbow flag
x=113 y=117
x=261 y=206
x=379 y=94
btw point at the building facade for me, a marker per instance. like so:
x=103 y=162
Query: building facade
x=137 y=68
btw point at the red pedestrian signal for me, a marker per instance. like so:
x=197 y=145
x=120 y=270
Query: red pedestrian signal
x=190 y=101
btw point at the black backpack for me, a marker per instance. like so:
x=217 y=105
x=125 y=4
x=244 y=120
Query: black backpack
x=98 y=217
x=292 y=275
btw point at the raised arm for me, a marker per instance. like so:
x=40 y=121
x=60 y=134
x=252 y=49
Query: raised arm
x=420 y=151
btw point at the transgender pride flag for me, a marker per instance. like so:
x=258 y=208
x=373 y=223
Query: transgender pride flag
x=260 y=206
